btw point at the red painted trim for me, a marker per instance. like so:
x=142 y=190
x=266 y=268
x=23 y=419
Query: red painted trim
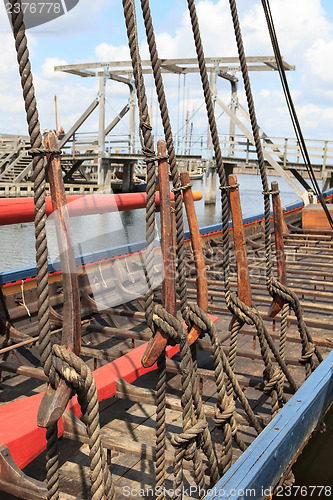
x=18 y=419
x=20 y=210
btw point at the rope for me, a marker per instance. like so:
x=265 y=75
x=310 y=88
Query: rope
x=77 y=375
x=233 y=350
x=156 y=67
x=43 y=151
x=52 y=462
x=147 y=149
x=274 y=287
x=39 y=183
x=232 y=301
x=201 y=319
x=292 y=110
x=160 y=427
x=186 y=449
x=206 y=439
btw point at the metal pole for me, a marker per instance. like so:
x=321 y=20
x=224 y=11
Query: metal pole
x=132 y=121
x=101 y=128
x=232 y=127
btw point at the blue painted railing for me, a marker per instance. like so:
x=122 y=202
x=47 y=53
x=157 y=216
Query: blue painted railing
x=30 y=272
x=261 y=466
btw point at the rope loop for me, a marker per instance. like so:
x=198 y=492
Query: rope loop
x=149 y=155
x=187 y=440
x=271 y=380
x=181 y=188
x=145 y=125
x=78 y=375
x=308 y=354
x=223 y=416
x=168 y=324
x=194 y=315
x=44 y=151
x=227 y=188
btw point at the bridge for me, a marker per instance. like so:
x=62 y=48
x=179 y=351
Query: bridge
x=90 y=160
x=79 y=160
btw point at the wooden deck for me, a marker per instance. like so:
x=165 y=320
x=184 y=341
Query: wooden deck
x=128 y=418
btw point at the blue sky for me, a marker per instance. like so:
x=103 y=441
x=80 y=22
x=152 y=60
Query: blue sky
x=96 y=31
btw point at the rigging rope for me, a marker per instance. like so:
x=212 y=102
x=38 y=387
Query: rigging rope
x=246 y=314
x=101 y=479
x=292 y=110
x=147 y=149
x=273 y=285
x=39 y=182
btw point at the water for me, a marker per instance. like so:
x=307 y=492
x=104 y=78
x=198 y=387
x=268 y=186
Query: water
x=92 y=233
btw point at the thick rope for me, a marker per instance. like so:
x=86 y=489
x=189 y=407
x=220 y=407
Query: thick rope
x=206 y=438
x=40 y=229
x=232 y=301
x=160 y=427
x=39 y=183
x=52 y=462
x=187 y=447
x=274 y=287
x=156 y=67
x=77 y=374
x=147 y=149
x=201 y=319
x=233 y=350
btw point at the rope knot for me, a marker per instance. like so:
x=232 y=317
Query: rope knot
x=168 y=324
x=308 y=354
x=68 y=366
x=149 y=155
x=224 y=416
x=187 y=440
x=272 y=379
x=181 y=188
x=194 y=315
x=227 y=188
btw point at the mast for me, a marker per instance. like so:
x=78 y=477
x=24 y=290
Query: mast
x=56 y=112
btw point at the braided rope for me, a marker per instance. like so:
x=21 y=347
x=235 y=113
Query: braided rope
x=160 y=463
x=78 y=375
x=175 y=330
x=233 y=350
x=274 y=287
x=232 y=300
x=21 y=45
x=206 y=439
x=43 y=151
x=201 y=319
x=147 y=149
x=52 y=462
x=39 y=183
x=156 y=67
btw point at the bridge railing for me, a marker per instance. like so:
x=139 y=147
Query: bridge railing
x=284 y=150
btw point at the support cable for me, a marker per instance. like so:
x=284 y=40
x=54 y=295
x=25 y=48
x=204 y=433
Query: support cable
x=292 y=110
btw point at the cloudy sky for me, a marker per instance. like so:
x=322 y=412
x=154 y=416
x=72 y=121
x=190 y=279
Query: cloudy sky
x=95 y=31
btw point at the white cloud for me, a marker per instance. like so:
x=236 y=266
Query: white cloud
x=108 y=52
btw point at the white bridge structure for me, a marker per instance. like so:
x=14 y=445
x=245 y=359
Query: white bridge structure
x=92 y=158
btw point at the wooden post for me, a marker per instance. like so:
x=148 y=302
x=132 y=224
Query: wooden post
x=243 y=279
x=279 y=228
x=54 y=402
x=157 y=344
